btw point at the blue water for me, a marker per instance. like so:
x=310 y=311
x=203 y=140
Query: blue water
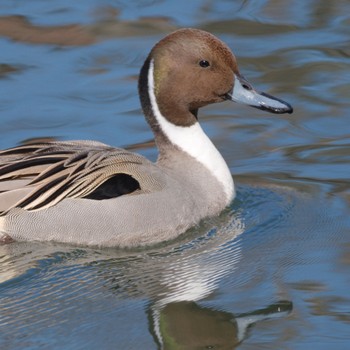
x=278 y=258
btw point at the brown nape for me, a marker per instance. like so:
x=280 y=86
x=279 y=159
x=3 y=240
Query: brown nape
x=182 y=85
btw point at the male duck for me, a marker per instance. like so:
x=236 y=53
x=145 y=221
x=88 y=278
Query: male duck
x=89 y=193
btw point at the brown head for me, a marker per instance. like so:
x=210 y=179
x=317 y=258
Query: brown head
x=186 y=63
x=192 y=68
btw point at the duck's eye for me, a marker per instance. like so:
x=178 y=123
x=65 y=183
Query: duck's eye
x=204 y=63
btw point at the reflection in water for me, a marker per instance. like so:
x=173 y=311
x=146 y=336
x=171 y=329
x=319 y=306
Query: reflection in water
x=186 y=325
x=173 y=279
x=19 y=28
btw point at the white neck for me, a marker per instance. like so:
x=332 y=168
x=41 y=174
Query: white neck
x=193 y=141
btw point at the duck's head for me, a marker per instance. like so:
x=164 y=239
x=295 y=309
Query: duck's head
x=191 y=68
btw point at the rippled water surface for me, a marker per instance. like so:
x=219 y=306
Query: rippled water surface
x=277 y=259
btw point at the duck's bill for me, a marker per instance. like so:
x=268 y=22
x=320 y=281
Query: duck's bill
x=244 y=93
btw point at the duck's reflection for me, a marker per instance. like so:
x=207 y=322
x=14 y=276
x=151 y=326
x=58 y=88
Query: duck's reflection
x=186 y=270
x=186 y=325
x=172 y=280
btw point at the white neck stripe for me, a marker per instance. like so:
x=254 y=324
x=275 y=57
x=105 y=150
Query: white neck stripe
x=193 y=141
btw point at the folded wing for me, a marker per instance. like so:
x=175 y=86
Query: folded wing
x=39 y=175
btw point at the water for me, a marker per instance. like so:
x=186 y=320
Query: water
x=278 y=258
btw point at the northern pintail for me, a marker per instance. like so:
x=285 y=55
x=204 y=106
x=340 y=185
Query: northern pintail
x=88 y=193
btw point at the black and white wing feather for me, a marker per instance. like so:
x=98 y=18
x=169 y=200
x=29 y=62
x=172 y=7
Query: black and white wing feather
x=39 y=175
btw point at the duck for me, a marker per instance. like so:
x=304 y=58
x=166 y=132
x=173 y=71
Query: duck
x=92 y=194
